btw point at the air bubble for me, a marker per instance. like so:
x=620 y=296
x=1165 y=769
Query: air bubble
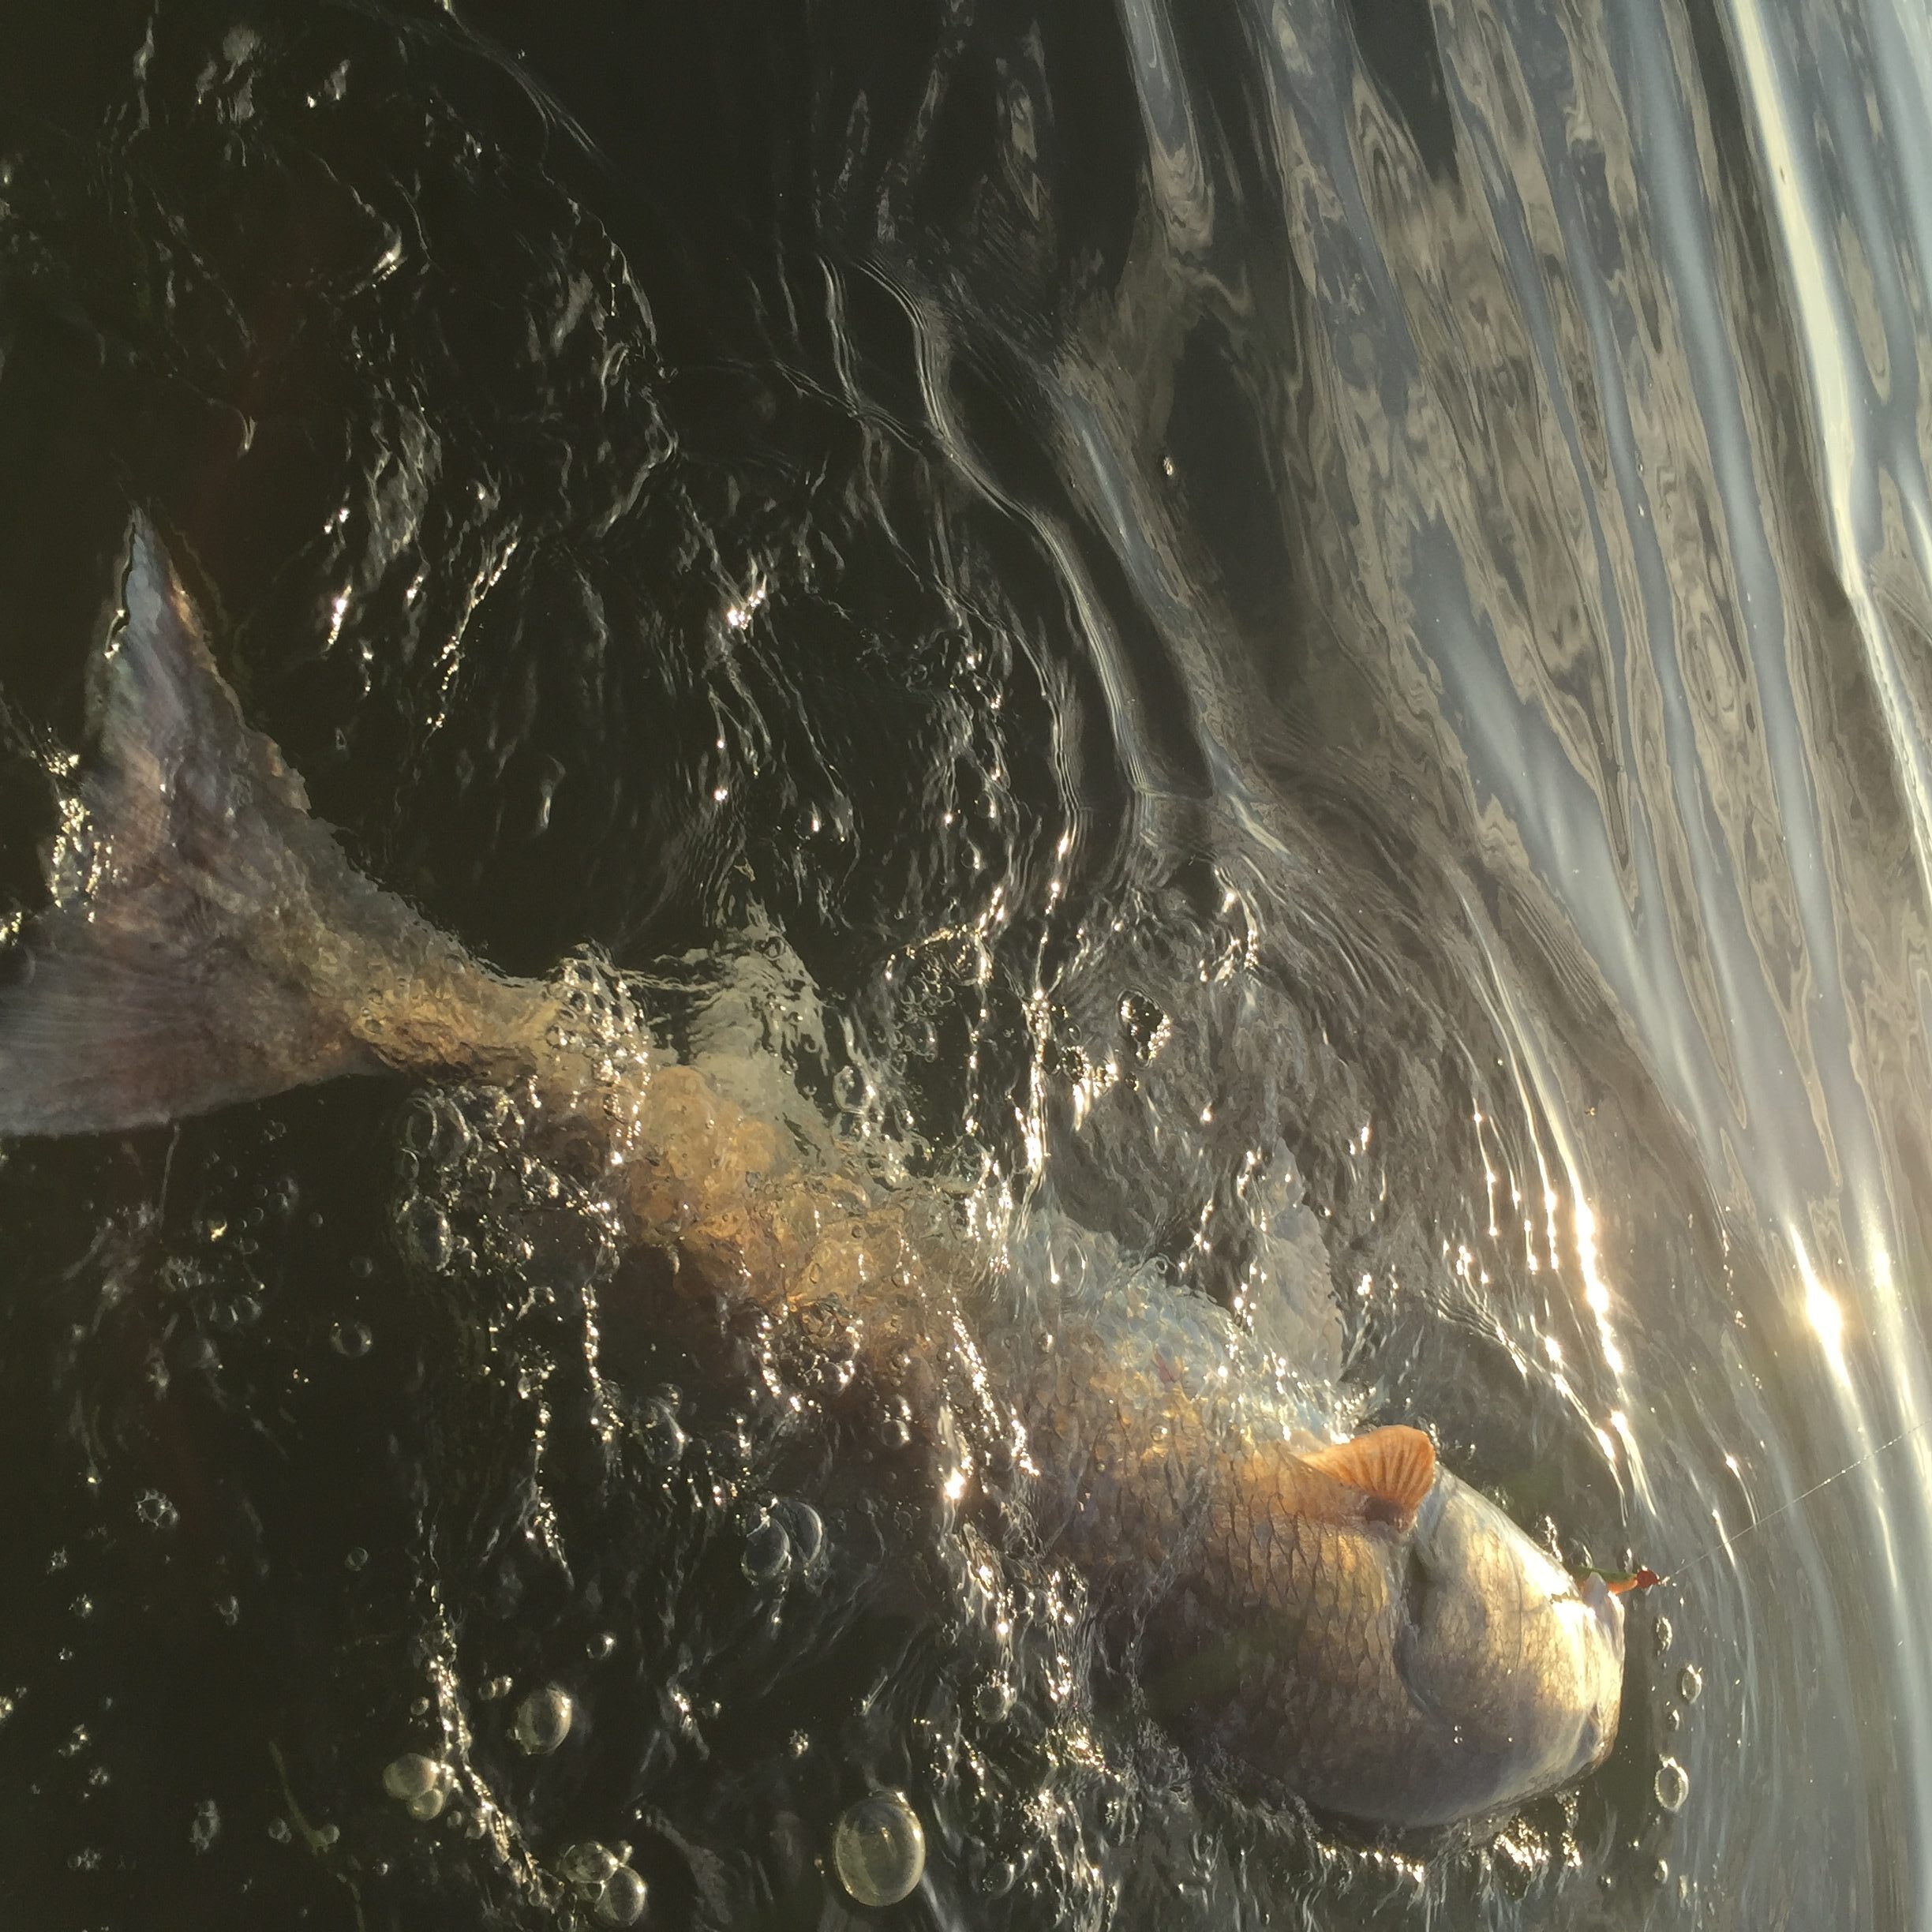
x=879 y=1849
x=997 y=1877
x=993 y=1699
x=156 y=1510
x=426 y=1805
x=598 y=1647
x=425 y=1232
x=623 y=1898
x=352 y=1339
x=1691 y=1683
x=435 y=1130
x=1663 y=1635
x=664 y=1436
x=805 y=1527
x=588 y=1865
x=411 y=1775
x=767 y=1552
x=1673 y=1784
x=543 y=1720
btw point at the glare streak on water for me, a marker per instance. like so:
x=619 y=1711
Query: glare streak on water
x=1538 y=1084
x=1180 y=176
x=1763 y=979
x=1828 y=339
x=1854 y=472
x=1637 y=937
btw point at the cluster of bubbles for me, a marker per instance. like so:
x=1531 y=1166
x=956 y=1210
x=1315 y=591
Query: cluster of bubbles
x=1672 y=1784
x=786 y=1539
x=477 y=1202
x=420 y=1785
x=878 y=1845
x=602 y=1877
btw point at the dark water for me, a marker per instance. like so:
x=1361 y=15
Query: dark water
x=1300 y=631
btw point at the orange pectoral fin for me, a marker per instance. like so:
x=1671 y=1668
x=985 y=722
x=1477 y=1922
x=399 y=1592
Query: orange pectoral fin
x=1394 y=1468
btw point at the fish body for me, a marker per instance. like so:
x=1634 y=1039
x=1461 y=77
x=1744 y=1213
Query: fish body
x=1347 y=1623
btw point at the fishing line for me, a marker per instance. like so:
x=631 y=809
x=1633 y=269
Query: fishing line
x=1647 y=1579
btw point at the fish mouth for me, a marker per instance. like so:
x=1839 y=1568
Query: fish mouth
x=1520 y=1663
x=1595 y=1592
x=1601 y=1640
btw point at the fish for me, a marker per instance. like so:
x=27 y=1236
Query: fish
x=1342 y=1624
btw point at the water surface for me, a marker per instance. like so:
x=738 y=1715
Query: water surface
x=1297 y=634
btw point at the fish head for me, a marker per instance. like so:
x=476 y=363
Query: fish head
x=1374 y=1638
x=1514 y=1671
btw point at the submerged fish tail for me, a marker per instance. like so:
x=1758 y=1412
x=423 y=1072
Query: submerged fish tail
x=207 y=941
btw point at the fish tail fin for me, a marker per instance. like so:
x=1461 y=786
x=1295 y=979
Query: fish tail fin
x=208 y=942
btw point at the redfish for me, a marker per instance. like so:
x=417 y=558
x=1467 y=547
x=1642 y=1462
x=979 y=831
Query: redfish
x=1346 y=1623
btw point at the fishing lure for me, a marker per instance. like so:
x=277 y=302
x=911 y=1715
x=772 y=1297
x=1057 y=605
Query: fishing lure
x=1619 y=1583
